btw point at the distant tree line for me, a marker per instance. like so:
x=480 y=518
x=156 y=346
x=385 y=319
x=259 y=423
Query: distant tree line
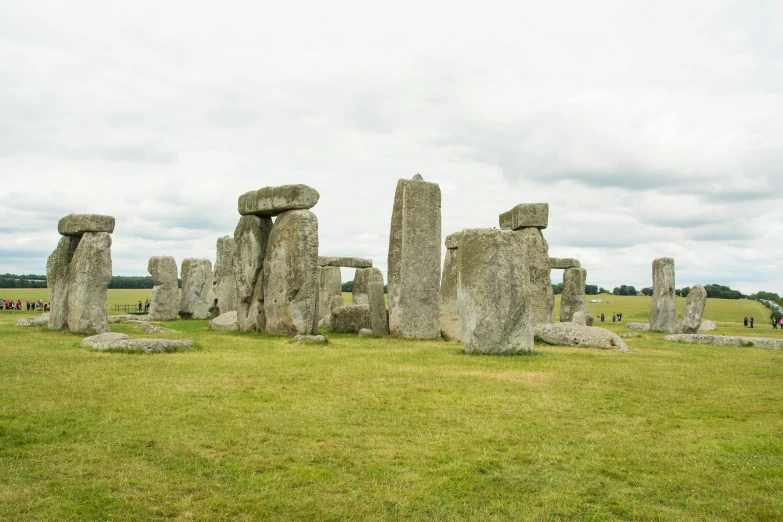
x=624 y=290
x=22 y=281
x=589 y=289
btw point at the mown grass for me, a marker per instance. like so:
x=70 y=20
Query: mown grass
x=253 y=427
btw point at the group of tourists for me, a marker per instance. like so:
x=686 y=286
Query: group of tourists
x=748 y=324
x=30 y=306
x=615 y=317
x=145 y=308
x=776 y=323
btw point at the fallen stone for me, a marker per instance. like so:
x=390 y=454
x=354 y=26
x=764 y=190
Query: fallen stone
x=361 y=284
x=57 y=281
x=694 y=310
x=164 y=301
x=351 y=319
x=105 y=340
x=112 y=319
x=728 y=340
x=379 y=315
x=41 y=320
x=148 y=327
x=572 y=334
x=536 y=257
x=663 y=314
x=561 y=263
x=448 y=283
x=450 y=328
x=630 y=334
x=118 y=341
x=196 y=285
x=707 y=326
x=308 y=339
x=223 y=298
x=452 y=241
x=273 y=201
x=89 y=275
x=579 y=318
x=345 y=262
x=414 y=260
x=291 y=275
x=250 y=241
x=637 y=326
x=494 y=292
x=524 y=216
x=226 y=321
x=573 y=298
x=365 y=332
x=78 y=224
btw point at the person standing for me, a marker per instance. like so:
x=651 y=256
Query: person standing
x=751 y=322
x=746 y=322
x=602 y=317
x=774 y=324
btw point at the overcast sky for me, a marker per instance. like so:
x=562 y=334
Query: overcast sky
x=651 y=128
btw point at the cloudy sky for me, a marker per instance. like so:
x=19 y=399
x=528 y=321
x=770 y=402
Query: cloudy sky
x=651 y=128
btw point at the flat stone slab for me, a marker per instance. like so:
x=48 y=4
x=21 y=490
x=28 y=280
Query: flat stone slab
x=320 y=339
x=119 y=341
x=637 y=326
x=78 y=224
x=226 y=321
x=42 y=320
x=271 y=201
x=452 y=241
x=573 y=334
x=346 y=262
x=112 y=319
x=149 y=327
x=561 y=263
x=727 y=340
x=525 y=215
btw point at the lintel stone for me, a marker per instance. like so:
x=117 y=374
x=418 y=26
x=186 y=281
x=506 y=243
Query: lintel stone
x=78 y=224
x=525 y=215
x=346 y=262
x=272 y=201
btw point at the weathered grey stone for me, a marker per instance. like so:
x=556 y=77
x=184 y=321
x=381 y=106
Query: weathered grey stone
x=148 y=327
x=728 y=340
x=361 y=284
x=365 y=332
x=89 y=275
x=561 y=263
x=536 y=257
x=452 y=241
x=78 y=224
x=124 y=318
x=224 y=284
x=573 y=298
x=417 y=177
x=250 y=242
x=663 y=314
x=57 y=281
x=630 y=334
x=448 y=283
x=273 y=201
x=118 y=341
x=590 y=320
x=196 y=285
x=226 y=321
x=524 y=216
x=694 y=310
x=414 y=260
x=164 y=302
x=379 y=316
x=493 y=292
x=345 y=262
x=41 y=320
x=638 y=326
x=579 y=318
x=450 y=328
x=319 y=339
x=335 y=302
x=351 y=319
x=291 y=275
x=573 y=334
x=330 y=285
x=105 y=340
x=707 y=326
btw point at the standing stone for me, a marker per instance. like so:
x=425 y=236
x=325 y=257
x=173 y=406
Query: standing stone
x=196 y=284
x=694 y=310
x=224 y=284
x=89 y=275
x=330 y=284
x=291 y=275
x=57 y=281
x=414 y=260
x=573 y=298
x=361 y=284
x=663 y=314
x=537 y=260
x=164 y=303
x=493 y=292
x=524 y=216
x=379 y=318
x=448 y=281
x=250 y=242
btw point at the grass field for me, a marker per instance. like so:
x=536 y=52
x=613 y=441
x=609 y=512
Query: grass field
x=251 y=427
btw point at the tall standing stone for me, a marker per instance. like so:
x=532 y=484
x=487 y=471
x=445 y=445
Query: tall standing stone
x=330 y=285
x=250 y=242
x=379 y=317
x=361 y=284
x=663 y=314
x=291 y=274
x=414 y=260
x=224 y=284
x=448 y=281
x=196 y=285
x=493 y=292
x=164 y=302
x=694 y=310
x=57 y=281
x=89 y=275
x=573 y=298
x=537 y=260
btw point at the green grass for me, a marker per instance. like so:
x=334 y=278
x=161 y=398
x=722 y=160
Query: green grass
x=252 y=427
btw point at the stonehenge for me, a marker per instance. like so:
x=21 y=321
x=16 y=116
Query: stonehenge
x=164 y=302
x=694 y=310
x=224 y=286
x=196 y=284
x=414 y=260
x=663 y=315
x=573 y=298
